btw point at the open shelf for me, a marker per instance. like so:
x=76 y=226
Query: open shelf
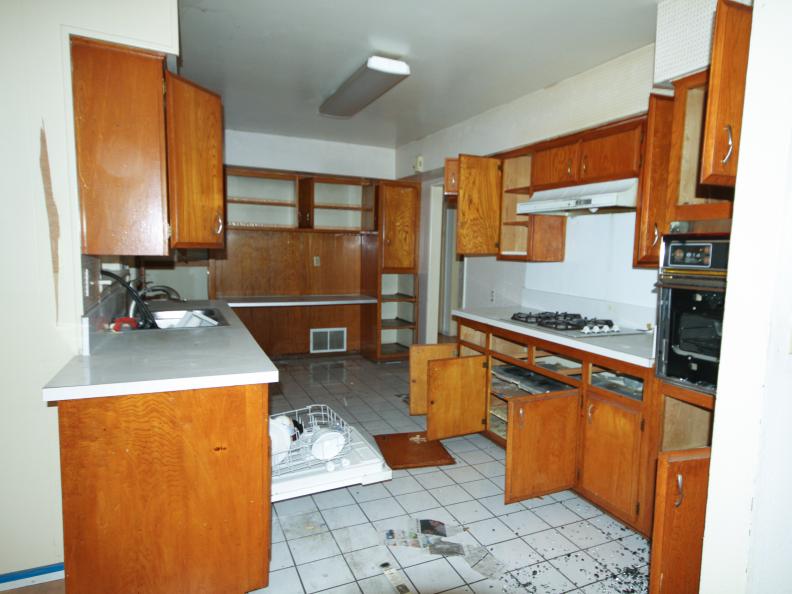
x=393 y=348
x=519 y=190
x=260 y=201
x=398 y=297
x=341 y=207
x=396 y=323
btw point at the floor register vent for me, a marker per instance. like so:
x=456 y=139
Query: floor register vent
x=328 y=340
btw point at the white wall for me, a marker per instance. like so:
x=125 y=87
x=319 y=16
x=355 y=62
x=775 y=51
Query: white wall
x=39 y=333
x=748 y=535
x=254 y=149
x=429 y=259
x=598 y=263
x=613 y=90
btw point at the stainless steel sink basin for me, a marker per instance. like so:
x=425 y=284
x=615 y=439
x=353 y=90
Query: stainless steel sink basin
x=189 y=318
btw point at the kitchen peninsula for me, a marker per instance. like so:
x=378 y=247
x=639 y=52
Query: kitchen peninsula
x=164 y=460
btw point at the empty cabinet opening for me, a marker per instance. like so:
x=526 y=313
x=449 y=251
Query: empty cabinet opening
x=685 y=425
x=328 y=340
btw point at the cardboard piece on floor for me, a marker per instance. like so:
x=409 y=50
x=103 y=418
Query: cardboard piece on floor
x=412 y=450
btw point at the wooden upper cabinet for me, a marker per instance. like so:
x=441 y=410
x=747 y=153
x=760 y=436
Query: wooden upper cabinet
x=610 y=454
x=541 y=442
x=687 y=199
x=721 y=145
x=678 y=533
x=478 y=206
x=195 y=165
x=611 y=154
x=451 y=177
x=555 y=167
x=399 y=206
x=651 y=220
x=457 y=396
x=119 y=126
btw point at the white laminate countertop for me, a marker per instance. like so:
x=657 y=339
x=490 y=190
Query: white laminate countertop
x=146 y=361
x=298 y=300
x=637 y=349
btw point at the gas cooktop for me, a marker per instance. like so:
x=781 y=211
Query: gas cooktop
x=570 y=324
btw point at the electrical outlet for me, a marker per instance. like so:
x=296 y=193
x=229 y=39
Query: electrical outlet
x=418 y=166
x=317 y=261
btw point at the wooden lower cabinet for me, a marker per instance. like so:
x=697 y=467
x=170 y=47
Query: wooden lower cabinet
x=540 y=444
x=457 y=396
x=610 y=454
x=166 y=492
x=680 y=507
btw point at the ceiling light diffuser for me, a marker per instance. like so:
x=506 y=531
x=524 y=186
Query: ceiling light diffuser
x=369 y=82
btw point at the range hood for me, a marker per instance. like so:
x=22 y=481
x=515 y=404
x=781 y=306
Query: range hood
x=620 y=194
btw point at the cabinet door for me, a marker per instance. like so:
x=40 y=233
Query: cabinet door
x=420 y=355
x=721 y=146
x=451 y=177
x=541 y=443
x=688 y=200
x=554 y=167
x=457 y=393
x=610 y=451
x=612 y=155
x=680 y=507
x=119 y=128
x=399 y=223
x=195 y=165
x=651 y=220
x=478 y=206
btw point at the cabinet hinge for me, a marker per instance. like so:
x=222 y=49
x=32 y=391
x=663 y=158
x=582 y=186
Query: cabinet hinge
x=497 y=244
x=169 y=230
x=643 y=423
x=485 y=365
x=164 y=87
x=484 y=422
x=637 y=507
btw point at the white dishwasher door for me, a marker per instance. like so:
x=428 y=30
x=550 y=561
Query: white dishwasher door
x=361 y=464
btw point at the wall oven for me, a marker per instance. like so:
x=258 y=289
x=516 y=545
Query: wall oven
x=691 y=292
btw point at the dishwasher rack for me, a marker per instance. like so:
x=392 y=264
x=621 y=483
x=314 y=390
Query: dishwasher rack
x=313 y=419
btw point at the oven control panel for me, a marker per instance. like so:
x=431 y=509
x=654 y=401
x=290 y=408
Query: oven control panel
x=696 y=254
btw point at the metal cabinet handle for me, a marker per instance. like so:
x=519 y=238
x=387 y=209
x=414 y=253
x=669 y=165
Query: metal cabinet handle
x=590 y=412
x=218 y=224
x=585 y=164
x=730 y=152
x=569 y=168
x=522 y=417
x=656 y=235
x=680 y=492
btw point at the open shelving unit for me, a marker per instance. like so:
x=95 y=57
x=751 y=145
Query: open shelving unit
x=261 y=199
x=398 y=313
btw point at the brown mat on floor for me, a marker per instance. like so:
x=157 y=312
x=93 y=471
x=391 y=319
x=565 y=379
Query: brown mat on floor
x=400 y=451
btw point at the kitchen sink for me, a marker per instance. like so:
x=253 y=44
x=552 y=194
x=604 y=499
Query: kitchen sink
x=189 y=318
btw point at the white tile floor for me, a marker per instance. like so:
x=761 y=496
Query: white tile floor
x=331 y=542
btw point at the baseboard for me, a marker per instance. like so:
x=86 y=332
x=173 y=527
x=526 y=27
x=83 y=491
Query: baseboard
x=29 y=577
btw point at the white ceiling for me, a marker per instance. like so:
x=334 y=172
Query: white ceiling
x=275 y=62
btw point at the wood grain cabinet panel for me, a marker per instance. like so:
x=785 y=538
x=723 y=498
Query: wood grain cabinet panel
x=420 y=355
x=478 y=206
x=611 y=155
x=166 y=492
x=451 y=177
x=556 y=166
x=651 y=217
x=723 y=127
x=540 y=444
x=457 y=394
x=399 y=209
x=678 y=533
x=119 y=127
x=196 y=201
x=610 y=454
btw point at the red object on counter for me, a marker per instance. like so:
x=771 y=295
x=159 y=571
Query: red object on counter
x=119 y=323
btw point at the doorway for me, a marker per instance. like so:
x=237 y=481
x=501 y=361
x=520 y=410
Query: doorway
x=451 y=274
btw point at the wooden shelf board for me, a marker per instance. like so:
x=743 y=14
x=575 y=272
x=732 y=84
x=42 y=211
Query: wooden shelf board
x=258 y=227
x=328 y=206
x=261 y=202
x=396 y=324
x=519 y=190
x=282 y=228
x=516 y=223
x=394 y=349
x=398 y=297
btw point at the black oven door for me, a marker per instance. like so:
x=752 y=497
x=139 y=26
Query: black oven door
x=690 y=327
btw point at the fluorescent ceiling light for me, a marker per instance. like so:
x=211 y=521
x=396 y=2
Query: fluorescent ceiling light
x=369 y=82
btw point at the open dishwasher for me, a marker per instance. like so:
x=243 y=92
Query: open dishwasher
x=315 y=450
